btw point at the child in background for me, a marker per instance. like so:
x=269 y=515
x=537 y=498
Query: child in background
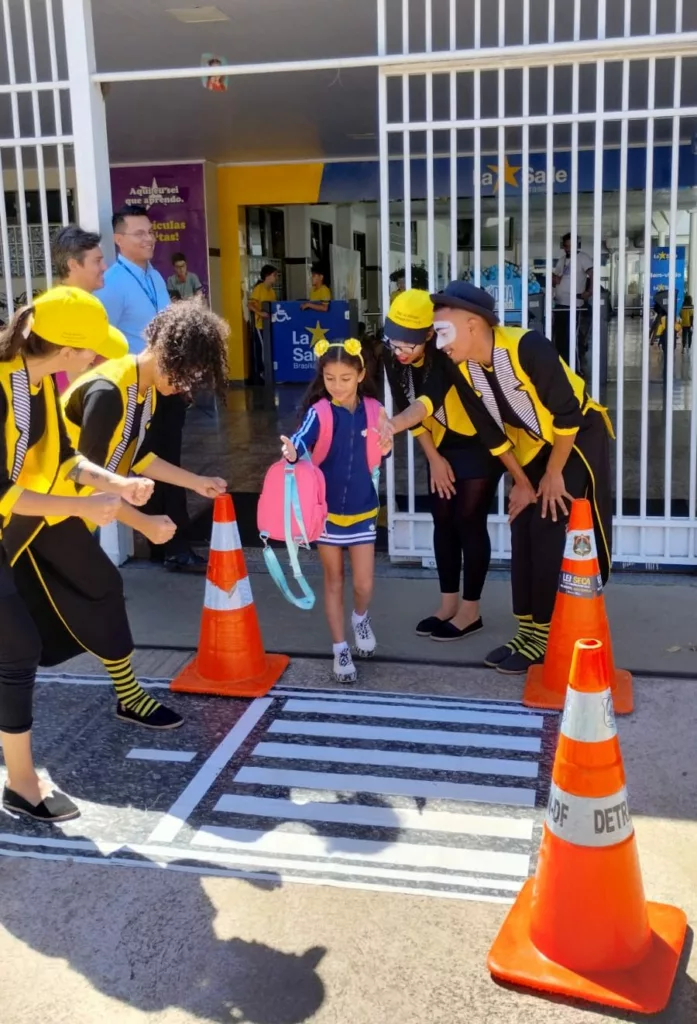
x=352 y=499
x=687 y=318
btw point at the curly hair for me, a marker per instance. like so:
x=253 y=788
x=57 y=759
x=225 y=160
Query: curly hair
x=191 y=346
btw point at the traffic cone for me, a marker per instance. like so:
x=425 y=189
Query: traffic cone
x=582 y=927
x=231 y=661
x=579 y=611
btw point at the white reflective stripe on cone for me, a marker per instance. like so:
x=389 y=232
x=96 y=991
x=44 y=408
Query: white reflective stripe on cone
x=588 y=717
x=225 y=537
x=217 y=600
x=589 y=821
x=580 y=545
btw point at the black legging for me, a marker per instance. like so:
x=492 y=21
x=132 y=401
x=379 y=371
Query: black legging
x=20 y=650
x=461 y=536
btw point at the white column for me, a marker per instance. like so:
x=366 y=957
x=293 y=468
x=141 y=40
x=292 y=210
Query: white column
x=297 y=252
x=88 y=117
x=692 y=256
x=344 y=226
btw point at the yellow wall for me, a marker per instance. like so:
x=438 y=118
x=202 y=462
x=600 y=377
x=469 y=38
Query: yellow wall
x=274 y=185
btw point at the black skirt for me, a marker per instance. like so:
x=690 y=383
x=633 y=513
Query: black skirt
x=468 y=457
x=74 y=593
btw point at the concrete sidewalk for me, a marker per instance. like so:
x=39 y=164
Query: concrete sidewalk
x=648 y=619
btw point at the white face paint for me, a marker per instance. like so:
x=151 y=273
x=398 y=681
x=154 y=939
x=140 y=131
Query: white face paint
x=446 y=333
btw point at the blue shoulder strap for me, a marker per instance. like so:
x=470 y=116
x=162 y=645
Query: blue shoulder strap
x=291 y=504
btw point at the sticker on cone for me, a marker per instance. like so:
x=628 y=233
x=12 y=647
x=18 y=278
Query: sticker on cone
x=579 y=611
x=231 y=661
x=582 y=926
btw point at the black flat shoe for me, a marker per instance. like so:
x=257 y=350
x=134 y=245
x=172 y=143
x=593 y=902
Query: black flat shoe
x=446 y=631
x=187 y=561
x=160 y=718
x=426 y=626
x=517 y=664
x=56 y=807
x=498 y=655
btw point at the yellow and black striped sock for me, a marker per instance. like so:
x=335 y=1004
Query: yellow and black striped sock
x=524 y=634
x=536 y=645
x=128 y=690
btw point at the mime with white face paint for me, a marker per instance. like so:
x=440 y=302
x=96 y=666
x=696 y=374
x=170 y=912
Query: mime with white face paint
x=558 y=434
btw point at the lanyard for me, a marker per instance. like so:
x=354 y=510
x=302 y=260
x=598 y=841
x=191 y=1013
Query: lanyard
x=150 y=291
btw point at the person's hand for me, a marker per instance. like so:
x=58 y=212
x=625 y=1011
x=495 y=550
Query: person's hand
x=553 y=491
x=304 y=305
x=442 y=477
x=136 y=490
x=100 y=508
x=386 y=432
x=520 y=496
x=210 y=486
x=264 y=315
x=288 y=451
x=159 y=529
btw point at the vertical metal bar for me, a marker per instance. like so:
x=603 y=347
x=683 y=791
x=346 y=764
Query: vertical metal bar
x=452 y=24
x=405 y=26
x=573 y=227
x=57 y=113
x=627 y=18
x=577 y=20
x=501 y=246
x=453 y=179
x=477 y=183
x=597 y=225
x=428 y=15
x=6 y=260
x=621 y=292
x=550 y=204
x=502 y=23
x=652 y=18
x=524 y=183
x=406 y=169
x=672 y=305
x=645 y=363
x=381 y=27
x=477 y=24
x=40 y=167
x=19 y=158
x=385 y=275
x=430 y=189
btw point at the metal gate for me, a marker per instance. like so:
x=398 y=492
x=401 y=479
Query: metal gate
x=524 y=122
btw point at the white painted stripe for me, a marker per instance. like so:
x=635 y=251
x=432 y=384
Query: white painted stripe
x=420 y=699
x=209 y=771
x=422 y=855
x=225 y=537
x=580 y=545
x=377 y=817
x=351 y=709
x=67 y=680
x=380 y=733
x=588 y=717
x=387 y=786
x=398 y=759
x=589 y=821
x=150 y=754
x=170 y=859
x=217 y=600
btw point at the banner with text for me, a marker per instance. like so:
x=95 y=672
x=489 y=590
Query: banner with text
x=294 y=332
x=174 y=197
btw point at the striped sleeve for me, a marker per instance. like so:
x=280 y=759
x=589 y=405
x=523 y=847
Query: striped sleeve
x=305 y=438
x=544 y=367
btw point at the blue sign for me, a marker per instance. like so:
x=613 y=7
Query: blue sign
x=660 y=273
x=361 y=180
x=294 y=333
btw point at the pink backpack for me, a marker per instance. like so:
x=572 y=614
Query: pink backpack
x=293 y=505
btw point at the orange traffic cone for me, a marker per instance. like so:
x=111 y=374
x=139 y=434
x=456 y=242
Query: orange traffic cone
x=579 y=610
x=582 y=927
x=231 y=661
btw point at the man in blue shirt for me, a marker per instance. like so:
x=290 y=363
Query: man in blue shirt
x=133 y=293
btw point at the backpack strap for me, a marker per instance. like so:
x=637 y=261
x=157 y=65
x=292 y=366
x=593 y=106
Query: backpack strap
x=372 y=441
x=291 y=506
x=326 y=431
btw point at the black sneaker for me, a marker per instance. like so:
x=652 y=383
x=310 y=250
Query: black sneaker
x=426 y=626
x=160 y=718
x=187 y=561
x=56 y=807
x=445 y=631
x=517 y=664
x=498 y=655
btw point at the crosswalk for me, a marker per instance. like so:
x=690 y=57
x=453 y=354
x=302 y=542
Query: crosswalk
x=428 y=795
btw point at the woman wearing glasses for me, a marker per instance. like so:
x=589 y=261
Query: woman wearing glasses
x=466 y=455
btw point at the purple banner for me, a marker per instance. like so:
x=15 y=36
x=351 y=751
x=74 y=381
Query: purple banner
x=174 y=196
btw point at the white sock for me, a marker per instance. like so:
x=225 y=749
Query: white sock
x=356 y=618
x=338 y=648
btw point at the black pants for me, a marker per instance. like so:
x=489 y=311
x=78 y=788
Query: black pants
x=687 y=337
x=562 y=333
x=258 y=355
x=20 y=650
x=461 y=538
x=167 y=500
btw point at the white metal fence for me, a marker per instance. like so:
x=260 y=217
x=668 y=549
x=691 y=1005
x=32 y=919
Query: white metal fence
x=591 y=130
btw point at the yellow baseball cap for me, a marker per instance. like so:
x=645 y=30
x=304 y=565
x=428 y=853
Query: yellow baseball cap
x=410 y=317
x=76 y=319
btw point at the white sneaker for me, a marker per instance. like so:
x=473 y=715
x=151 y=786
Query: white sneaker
x=344 y=669
x=364 y=636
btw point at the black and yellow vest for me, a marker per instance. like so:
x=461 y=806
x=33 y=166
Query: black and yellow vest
x=36 y=469
x=522 y=396
x=122 y=454
x=451 y=415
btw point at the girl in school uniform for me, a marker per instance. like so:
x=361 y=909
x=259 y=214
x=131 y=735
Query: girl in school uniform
x=59 y=592
x=352 y=498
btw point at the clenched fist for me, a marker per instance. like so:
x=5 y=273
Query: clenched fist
x=101 y=509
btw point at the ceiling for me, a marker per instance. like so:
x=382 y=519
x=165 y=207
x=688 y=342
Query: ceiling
x=318 y=115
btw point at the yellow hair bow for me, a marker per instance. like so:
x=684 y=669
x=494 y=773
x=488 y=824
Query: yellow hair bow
x=352 y=347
